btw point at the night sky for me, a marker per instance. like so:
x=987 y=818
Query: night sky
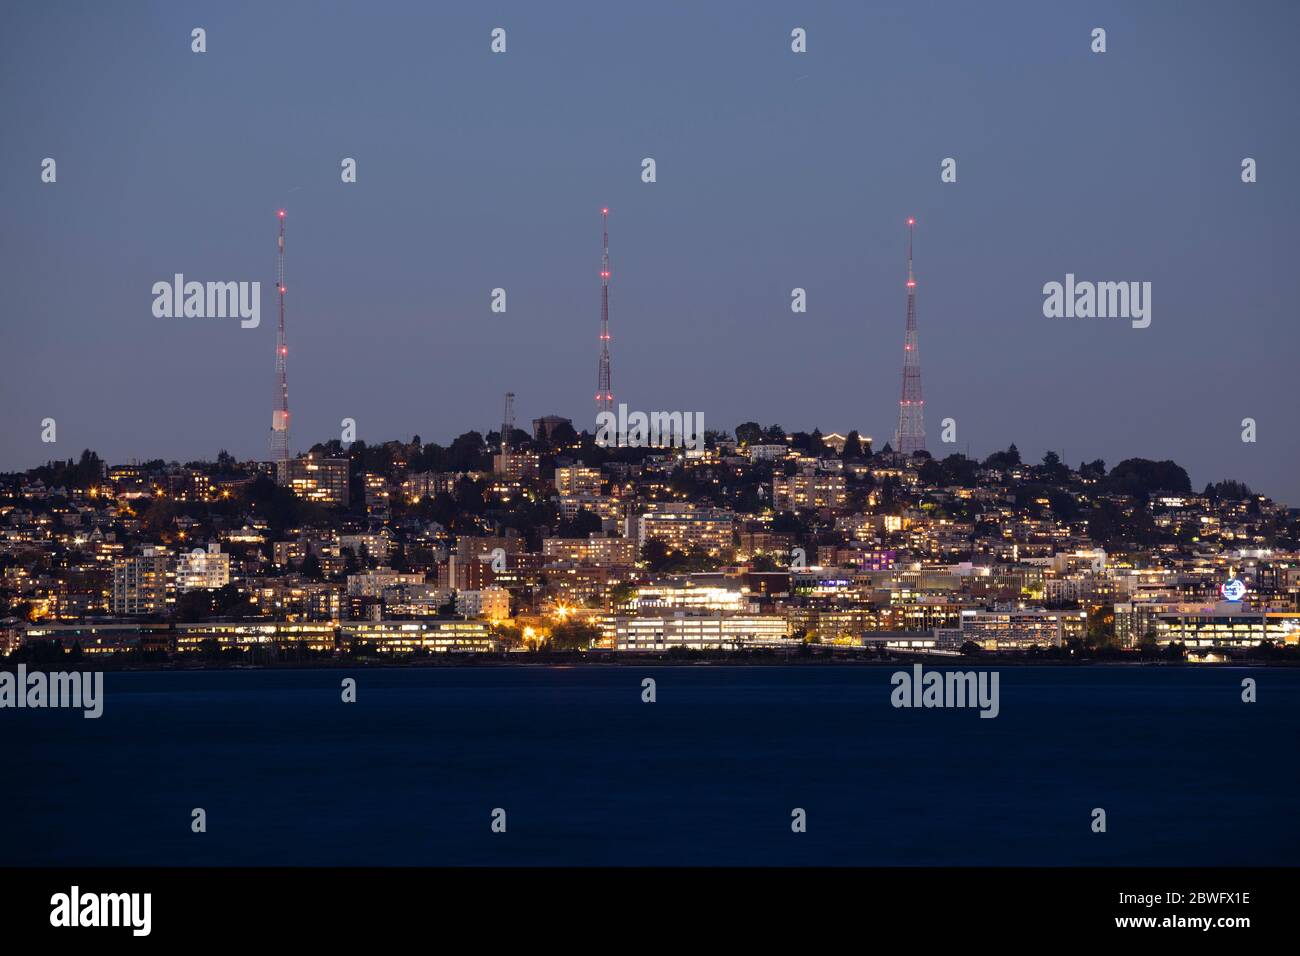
x=775 y=170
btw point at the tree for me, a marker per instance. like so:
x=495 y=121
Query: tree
x=468 y=453
x=584 y=523
x=1228 y=491
x=311 y=568
x=655 y=554
x=1003 y=460
x=749 y=433
x=788 y=522
x=563 y=435
x=1052 y=469
x=1140 y=476
x=573 y=636
x=1101 y=626
x=621 y=593
x=931 y=473
x=397 y=559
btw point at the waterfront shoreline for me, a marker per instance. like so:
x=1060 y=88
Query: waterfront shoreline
x=640 y=660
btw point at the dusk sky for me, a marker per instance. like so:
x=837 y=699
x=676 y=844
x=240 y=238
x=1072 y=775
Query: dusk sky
x=775 y=170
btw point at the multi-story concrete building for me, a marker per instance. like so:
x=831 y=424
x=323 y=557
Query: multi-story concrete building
x=1019 y=629
x=683 y=526
x=144 y=584
x=767 y=452
x=431 y=635
x=795 y=492
x=377 y=546
x=377 y=495
x=596 y=550
x=372 y=583
x=492 y=603
x=1227 y=626
x=200 y=569
x=577 y=480
x=699 y=630
x=429 y=484
x=654 y=598
x=320 y=480
x=602 y=506
x=516 y=465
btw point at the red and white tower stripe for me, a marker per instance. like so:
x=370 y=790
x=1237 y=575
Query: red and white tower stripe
x=910 y=436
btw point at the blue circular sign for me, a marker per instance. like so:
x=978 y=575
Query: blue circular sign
x=1233 y=590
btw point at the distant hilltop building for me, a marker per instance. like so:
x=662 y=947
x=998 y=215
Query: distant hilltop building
x=771 y=452
x=837 y=441
x=544 y=427
x=516 y=465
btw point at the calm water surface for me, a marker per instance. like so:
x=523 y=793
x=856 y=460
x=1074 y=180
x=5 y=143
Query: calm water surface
x=709 y=774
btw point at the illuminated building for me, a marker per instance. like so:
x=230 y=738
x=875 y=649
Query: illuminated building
x=577 y=480
x=200 y=569
x=809 y=491
x=516 y=465
x=596 y=550
x=695 y=630
x=577 y=584
x=407 y=636
x=492 y=603
x=602 y=506
x=1020 y=629
x=316 y=636
x=377 y=494
x=1226 y=626
x=372 y=583
x=673 y=596
x=767 y=452
x=100 y=639
x=320 y=480
x=682 y=527
x=145 y=584
x=429 y=484
x=376 y=547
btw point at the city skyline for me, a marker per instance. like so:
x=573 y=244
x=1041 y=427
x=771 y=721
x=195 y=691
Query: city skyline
x=324 y=559
x=394 y=272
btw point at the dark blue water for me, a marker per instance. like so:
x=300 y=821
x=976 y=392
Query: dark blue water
x=709 y=774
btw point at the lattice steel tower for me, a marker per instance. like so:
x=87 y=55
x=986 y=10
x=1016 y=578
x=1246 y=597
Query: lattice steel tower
x=280 y=414
x=508 y=423
x=604 y=393
x=910 y=436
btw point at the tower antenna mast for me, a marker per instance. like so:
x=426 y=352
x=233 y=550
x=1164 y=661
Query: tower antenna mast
x=507 y=423
x=910 y=436
x=280 y=414
x=604 y=391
